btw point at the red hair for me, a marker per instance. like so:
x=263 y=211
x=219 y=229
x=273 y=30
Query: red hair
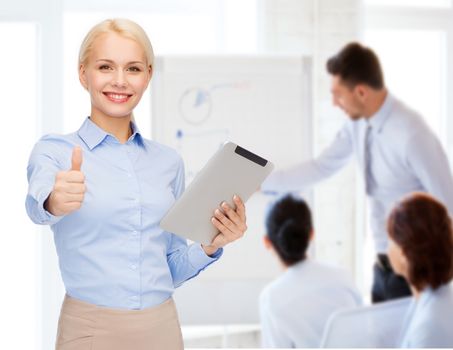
x=422 y=227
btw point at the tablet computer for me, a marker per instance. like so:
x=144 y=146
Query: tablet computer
x=231 y=170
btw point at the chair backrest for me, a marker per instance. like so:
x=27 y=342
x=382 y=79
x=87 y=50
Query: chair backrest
x=374 y=326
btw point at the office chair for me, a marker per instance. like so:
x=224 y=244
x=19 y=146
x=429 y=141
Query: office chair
x=373 y=326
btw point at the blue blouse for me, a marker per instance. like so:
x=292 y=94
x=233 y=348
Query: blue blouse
x=112 y=251
x=429 y=320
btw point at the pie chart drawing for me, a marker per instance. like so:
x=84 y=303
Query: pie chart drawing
x=195 y=105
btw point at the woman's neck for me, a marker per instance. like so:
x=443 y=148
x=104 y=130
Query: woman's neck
x=118 y=127
x=415 y=292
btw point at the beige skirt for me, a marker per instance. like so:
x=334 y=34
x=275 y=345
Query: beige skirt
x=84 y=326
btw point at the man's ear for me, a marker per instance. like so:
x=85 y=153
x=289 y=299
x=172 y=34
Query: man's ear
x=82 y=76
x=311 y=235
x=361 y=90
x=267 y=242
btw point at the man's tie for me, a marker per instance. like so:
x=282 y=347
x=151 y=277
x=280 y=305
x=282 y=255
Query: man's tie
x=369 y=178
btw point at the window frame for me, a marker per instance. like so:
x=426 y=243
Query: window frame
x=421 y=18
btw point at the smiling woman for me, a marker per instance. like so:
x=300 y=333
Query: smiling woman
x=104 y=190
x=116 y=70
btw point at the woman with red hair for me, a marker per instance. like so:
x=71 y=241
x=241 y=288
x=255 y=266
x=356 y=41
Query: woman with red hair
x=421 y=250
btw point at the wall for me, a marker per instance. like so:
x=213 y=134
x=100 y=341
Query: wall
x=320 y=28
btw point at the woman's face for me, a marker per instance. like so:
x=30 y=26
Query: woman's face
x=397 y=258
x=116 y=75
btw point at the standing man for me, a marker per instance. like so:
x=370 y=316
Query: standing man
x=396 y=150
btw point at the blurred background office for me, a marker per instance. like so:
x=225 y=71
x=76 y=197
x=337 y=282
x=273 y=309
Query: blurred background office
x=40 y=93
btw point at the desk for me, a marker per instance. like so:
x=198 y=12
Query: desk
x=222 y=336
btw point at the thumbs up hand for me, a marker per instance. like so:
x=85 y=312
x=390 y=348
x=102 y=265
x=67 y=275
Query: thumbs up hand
x=76 y=161
x=69 y=189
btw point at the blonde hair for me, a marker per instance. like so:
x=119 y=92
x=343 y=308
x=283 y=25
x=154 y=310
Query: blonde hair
x=121 y=26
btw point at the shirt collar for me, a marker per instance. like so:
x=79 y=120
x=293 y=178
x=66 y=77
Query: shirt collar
x=378 y=119
x=424 y=298
x=93 y=135
x=300 y=264
x=429 y=293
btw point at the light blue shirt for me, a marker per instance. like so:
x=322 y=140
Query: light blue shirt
x=112 y=251
x=429 y=320
x=294 y=308
x=405 y=156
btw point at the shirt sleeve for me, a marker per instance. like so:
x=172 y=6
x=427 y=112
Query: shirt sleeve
x=41 y=170
x=429 y=162
x=306 y=174
x=272 y=332
x=185 y=261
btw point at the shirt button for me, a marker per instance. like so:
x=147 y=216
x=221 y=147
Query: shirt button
x=134 y=297
x=133 y=267
x=134 y=233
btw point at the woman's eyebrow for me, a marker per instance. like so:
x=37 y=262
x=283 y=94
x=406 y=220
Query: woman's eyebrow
x=110 y=61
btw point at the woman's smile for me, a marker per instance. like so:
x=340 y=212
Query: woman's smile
x=117 y=97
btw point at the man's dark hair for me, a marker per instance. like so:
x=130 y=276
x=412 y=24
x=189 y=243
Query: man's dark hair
x=288 y=226
x=356 y=64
